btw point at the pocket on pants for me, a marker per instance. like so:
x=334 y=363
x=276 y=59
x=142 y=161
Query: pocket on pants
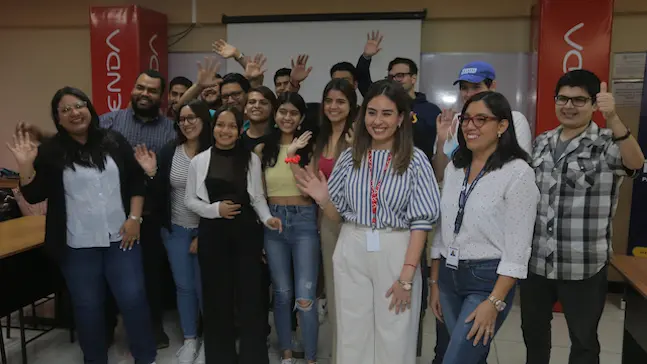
x=484 y=274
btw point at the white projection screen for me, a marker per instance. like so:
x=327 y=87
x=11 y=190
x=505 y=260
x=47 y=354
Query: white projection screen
x=326 y=42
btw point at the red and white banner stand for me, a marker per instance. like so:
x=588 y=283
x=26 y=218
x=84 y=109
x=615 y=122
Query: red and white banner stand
x=568 y=35
x=125 y=41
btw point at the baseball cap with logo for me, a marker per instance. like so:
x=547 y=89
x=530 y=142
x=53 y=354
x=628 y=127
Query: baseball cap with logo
x=476 y=72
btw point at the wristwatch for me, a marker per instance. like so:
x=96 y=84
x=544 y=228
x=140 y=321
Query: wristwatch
x=406 y=285
x=498 y=304
x=139 y=219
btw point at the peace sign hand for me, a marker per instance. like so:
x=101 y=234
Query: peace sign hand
x=299 y=143
x=299 y=70
x=23 y=149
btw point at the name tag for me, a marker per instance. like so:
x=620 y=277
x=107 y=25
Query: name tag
x=452 y=258
x=373 y=241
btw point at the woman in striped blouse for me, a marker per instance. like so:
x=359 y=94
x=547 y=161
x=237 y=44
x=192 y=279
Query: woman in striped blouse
x=384 y=190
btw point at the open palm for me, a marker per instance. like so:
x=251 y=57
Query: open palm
x=224 y=49
x=313 y=185
x=207 y=72
x=300 y=69
x=255 y=67
x=146 y=159
x=23 y=149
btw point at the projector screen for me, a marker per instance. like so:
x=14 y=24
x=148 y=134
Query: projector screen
x=327 y=43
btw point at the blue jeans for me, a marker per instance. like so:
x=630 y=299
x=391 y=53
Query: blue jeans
x=461 y=291
x=86 y=271
x=298 y=242
x=186 y=274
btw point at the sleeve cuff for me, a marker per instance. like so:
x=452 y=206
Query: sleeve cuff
x=436 y=252
x=514 y=270
x=420 y=225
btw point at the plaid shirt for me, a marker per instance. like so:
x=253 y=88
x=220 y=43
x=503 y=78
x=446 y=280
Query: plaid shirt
x=579 y=196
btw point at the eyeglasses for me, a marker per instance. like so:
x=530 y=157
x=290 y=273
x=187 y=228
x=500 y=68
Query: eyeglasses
x=77 y=106
x=189 y=120
x=577 y=101
x=235 y=95
x=398 y=76
x=477 y=120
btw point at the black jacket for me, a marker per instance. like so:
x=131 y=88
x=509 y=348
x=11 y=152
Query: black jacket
x=48 y=185
x=160 y=186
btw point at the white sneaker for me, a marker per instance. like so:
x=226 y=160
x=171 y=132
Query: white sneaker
x=188 y=352
x=287 y=361
x=200 y=359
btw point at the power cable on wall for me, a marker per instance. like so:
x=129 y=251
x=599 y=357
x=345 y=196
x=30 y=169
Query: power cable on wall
x=181 y=35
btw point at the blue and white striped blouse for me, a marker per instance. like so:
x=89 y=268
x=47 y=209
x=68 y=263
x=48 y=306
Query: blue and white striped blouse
x=407 y=201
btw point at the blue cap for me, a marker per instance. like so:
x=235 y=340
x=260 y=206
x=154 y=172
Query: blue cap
x=476 y=72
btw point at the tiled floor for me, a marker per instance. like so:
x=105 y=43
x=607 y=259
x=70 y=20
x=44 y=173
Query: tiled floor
x=508 y=348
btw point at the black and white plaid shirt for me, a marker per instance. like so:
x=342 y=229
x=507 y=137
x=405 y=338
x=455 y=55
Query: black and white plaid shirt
x=578 y=198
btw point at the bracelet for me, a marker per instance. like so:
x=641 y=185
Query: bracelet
x=624 y=137
x=433 y=281
x=294 y=160
x=411 y=265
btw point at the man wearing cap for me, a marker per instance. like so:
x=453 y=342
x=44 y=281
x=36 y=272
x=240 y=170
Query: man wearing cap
x=473 y=78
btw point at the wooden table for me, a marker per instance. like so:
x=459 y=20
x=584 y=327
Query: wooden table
x=634 y=343
x=22 y=234
x=26 y=273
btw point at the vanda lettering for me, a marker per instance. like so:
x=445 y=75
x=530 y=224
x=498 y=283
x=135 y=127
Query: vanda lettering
x=153 y=62
x=575 y=51
x=113 y=69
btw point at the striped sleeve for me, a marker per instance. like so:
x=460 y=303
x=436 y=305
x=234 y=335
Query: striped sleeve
x=336 y=182
x=424 y=203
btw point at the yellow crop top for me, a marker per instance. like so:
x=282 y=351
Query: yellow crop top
x=279 y=179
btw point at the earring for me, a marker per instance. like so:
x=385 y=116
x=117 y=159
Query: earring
x=498 y=134
x=299 y=127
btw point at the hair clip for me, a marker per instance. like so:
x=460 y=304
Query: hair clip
x=294 y=160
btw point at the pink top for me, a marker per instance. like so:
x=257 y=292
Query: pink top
x=326 y=165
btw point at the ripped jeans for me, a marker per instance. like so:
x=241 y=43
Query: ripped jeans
x=298 y=241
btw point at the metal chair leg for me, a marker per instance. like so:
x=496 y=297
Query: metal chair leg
x=23 y=341
x=3 y=353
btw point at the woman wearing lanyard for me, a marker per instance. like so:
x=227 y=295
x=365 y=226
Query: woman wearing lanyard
x=488 y=209
x=385 y=191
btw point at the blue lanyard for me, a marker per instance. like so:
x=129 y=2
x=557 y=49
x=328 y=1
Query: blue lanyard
x=462 y=199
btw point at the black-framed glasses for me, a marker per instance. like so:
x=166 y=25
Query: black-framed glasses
x=76 y=106
x=189 y=120
x=398 y=76
x=577 y=101
x=477 y=120
x=235 y=95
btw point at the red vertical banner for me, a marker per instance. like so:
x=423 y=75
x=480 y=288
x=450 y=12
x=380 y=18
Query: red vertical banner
x=572 y=34
x=125 y=41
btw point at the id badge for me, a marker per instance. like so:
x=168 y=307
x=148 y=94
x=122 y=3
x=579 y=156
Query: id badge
x=452 y=258
x=373 y=241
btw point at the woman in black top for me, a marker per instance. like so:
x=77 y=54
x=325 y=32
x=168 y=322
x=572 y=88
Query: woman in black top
x=224 y=187
x=94 y=189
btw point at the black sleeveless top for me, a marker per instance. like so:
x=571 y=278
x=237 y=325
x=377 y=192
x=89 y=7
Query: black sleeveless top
x=226 y=178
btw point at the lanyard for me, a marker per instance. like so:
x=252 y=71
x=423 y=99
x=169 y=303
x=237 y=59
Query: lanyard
x=374 y=190
x=462 y=199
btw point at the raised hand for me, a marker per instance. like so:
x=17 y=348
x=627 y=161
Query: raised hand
x=606 y=102
x=444 y=122
x=300 y=71
x=373 y=41
x=24 y=150
x=299 y=143
x=207 y=72
x=313 y=185
x=228 y=209
x=146 y=159
x=35 y=133
x=224 y=49
x=274 y=223
x=255 y=67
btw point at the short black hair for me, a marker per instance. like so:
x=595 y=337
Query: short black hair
x=236 y=78
x=282 y=72
x=413 y=68
x=587 y=80
x=344 y=67
x=486 y=81
x=507 y=149
x=155 y=74
x=180 y=80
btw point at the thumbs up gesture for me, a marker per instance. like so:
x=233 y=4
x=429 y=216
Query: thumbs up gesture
x=605 y=101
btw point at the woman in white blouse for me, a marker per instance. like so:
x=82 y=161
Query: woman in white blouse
x=224 y=187
x=384 y=191
x=488 y=206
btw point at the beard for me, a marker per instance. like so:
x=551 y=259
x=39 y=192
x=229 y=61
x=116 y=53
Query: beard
x=148 y=112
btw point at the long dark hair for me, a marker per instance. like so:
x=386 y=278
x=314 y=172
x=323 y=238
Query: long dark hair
x=273 y=136
x=269 y=96
x=325 y=126
x=91 y=154
x=201 y=110
x=402 y=149
x=242 y=154
x=507 y=148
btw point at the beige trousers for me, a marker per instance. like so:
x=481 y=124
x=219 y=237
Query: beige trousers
x=329 y=235
x=367 y=332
